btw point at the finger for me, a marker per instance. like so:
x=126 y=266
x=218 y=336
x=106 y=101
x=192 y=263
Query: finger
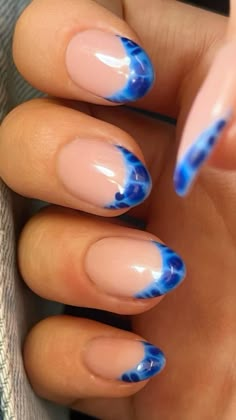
x=89 y=52
x=210 y=126
x=177 y=46
x=81 y=163
x=96 y=264
x=64 y=359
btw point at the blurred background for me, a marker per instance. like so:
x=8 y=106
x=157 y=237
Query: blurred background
x=220 y=6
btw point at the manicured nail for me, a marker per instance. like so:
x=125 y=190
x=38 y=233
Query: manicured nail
x=123 y=359
x=109 y=66
x=103 y=174
x=134 y=268
x=209 y=116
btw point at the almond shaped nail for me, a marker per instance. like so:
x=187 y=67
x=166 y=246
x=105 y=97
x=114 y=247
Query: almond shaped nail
x=133 y=268
x=103 y=174
x=126 y=360
x=211 y=112
x=109 y=66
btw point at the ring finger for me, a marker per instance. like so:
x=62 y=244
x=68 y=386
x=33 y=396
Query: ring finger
x=84 y=261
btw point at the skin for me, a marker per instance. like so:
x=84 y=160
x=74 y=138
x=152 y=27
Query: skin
x=193 y=325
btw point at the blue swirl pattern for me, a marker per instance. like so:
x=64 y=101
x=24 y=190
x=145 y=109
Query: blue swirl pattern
x=141 y=77
x=167 y=278
x=152 y=363
x=188 y=167
x=137 y=184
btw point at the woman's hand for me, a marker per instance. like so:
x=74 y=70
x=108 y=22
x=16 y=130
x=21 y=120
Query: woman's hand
x=65 y=152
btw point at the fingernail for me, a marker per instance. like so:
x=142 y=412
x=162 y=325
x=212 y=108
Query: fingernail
x=109 y=66
x=134 y=268
x=209 y=116
x=103 y=174
x=123 y=359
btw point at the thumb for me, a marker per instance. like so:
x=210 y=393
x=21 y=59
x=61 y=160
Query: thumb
x=210 y=130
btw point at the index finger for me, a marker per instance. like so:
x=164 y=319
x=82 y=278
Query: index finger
x=175 y=35
x=81 y=51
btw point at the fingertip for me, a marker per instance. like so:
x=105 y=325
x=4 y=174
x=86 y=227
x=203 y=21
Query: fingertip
x=89 y=53
x=123 y=69
x=207 y=130
x=68 y=358
x=90 y=165
x=216 y=146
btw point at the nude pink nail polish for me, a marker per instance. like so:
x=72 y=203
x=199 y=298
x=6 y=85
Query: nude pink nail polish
x=123 y=359
x=109 y=66
x=129 y=267
x=103 y=174
x=211 y=112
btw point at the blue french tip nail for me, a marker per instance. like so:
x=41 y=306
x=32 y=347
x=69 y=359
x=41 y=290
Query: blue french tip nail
x=189 y=165
x=141 y=75
x=153 y=362
x=137 y=184
x=168 y=277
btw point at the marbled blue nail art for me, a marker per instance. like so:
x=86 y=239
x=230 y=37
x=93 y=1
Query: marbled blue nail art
x=137 y=185
x=168 y=277
x=189 y=165
x=141 y=77
x=152 y=363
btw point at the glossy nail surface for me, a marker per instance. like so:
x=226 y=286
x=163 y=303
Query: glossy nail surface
x=109 y=66
x=125 y=360
x=103 y=174
x=134 y=268
x=209 y=116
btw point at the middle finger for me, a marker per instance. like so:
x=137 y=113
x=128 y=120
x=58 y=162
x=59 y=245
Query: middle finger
x=62 y=156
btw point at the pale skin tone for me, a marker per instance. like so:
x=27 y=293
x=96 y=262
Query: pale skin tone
x=194 y=325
